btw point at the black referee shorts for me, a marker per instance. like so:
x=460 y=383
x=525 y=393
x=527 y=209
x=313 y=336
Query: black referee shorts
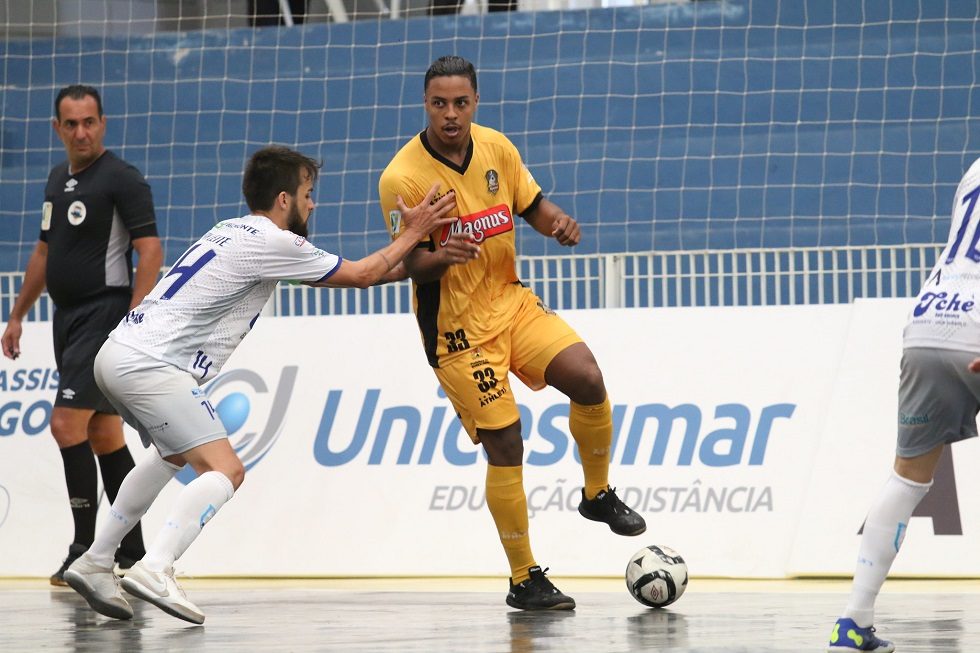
x=79 y=332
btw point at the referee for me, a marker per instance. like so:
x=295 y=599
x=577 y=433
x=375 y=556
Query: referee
x=97 y=210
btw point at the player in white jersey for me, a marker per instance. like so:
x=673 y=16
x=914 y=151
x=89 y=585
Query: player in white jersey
x=180 y=336
x=938 y=402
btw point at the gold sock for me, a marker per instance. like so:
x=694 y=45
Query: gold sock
x=508 y=506
x=591 y=427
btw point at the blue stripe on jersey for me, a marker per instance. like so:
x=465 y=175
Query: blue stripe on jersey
x=330 y=273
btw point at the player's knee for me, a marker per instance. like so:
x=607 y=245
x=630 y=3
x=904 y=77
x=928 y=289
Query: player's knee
x=235 y=474
x=590 y=388
x=66 y=431
x=106 y=440
x=504 y=447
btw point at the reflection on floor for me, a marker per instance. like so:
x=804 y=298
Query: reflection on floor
x=469 y=615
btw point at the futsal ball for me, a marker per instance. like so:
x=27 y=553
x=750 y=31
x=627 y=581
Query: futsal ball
x=656 y=576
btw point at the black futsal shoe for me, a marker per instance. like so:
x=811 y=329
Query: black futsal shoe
x=608 y=508
x=74 y=552
x=538 y=593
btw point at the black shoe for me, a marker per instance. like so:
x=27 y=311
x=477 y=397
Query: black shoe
x=538 y=593
x=607 y=507
x=74 y=551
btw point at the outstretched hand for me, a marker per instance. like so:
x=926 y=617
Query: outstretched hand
x=565 y=230
x=430 y=214
x=461 y=248
x=974 y=366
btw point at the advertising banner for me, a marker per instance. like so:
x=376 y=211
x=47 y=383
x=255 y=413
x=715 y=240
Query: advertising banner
x=751 y=439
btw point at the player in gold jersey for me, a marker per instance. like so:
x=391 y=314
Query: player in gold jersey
x=478 y=322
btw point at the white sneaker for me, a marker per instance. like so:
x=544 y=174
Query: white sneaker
x=99 y=587
x=162 y=590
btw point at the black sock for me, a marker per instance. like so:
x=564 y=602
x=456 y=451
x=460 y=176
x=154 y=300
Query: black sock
x=114 y=467
x=81 y=479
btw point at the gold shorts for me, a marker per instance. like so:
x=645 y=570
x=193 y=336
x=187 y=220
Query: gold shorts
x=477 y=382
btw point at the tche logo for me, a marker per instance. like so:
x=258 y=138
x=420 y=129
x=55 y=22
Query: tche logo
x=645 y=434
x=942 y=303
x=252 y=428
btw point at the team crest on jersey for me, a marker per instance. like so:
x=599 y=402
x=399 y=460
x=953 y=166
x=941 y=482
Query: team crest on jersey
x=493 y=181
x=395 y=220
x=489 y=222
x=76 y=213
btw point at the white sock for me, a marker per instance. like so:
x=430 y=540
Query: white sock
x=136 y=493
x=884 y=531
x=196 y=505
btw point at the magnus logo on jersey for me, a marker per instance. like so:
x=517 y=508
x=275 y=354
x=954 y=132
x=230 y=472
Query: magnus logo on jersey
x=490 y=222
x=941 y=302
x=253 y=414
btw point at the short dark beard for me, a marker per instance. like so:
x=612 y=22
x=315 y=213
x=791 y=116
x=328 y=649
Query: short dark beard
x=294 y=222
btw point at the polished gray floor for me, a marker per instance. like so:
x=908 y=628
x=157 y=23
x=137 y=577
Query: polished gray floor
x=429 y=616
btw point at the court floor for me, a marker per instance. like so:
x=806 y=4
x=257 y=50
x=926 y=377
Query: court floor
x=469 y=616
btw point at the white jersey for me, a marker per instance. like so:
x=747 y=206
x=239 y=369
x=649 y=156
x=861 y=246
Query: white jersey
x=209 y=300
x=946 y=314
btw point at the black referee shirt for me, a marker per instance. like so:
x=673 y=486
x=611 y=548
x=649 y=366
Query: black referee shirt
x=89 y=220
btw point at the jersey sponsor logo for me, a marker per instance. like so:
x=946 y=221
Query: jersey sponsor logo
x=941 y=302
x=76 y=213
x=493 y=181
x=489 y=222
x=70 y=185
x=46 y=209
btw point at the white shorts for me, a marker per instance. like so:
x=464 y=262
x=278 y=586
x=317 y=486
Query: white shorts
x=161 y=401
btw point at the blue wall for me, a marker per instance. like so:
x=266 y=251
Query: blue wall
x=700 y=125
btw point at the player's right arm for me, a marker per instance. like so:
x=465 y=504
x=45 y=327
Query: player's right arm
x=34 y=281
x=425 y=265
x=425 y=262
x=417 y=223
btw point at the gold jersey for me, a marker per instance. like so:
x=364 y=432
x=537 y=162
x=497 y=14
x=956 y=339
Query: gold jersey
x=475 y=301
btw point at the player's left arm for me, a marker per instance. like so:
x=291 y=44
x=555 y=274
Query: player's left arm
x=549 y=219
